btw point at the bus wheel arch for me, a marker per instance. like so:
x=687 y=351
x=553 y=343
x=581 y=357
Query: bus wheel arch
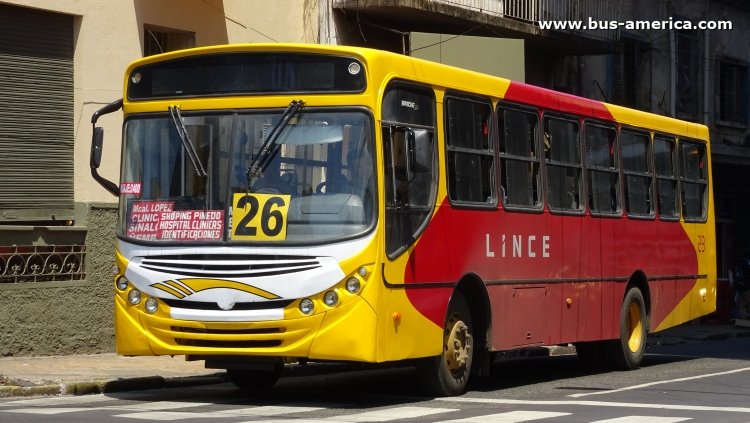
x=627 y=351
x=464 y=342
x=474 y=291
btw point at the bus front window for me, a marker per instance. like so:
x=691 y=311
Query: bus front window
x=315 y=184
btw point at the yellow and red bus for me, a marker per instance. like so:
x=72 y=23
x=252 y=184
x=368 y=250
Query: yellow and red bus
x=289 y=203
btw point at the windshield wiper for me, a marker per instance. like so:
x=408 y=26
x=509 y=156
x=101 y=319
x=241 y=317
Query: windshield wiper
x=187 y=144
x=268 y=148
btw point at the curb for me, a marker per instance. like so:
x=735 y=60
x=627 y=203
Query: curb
x=112 y=385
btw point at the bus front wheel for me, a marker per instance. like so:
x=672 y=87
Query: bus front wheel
x=255 y=379
x=447 y=374
x=626 y=353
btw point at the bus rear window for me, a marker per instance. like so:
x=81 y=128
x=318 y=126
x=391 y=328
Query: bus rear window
x=246 y=73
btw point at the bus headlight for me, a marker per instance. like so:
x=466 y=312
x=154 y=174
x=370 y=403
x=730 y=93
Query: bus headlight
x=122 y=283
x=134 y=297
x=353 y=285
x=306 y=306
x=362 y=271
x=331 y=298
x=152 y=305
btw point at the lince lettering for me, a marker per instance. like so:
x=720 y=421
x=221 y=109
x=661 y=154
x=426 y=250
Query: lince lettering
x=517 y=246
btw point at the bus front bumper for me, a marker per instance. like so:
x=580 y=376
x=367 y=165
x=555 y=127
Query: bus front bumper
x=345 y=333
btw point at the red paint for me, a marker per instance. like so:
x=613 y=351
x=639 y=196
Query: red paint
x=566 y=103
x=580 y=248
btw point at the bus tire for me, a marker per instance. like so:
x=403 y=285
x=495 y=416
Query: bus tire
x=626 y=353
x=448 y=374
x=255 y=379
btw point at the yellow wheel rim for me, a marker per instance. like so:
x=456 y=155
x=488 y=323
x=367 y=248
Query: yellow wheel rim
x=635 y=327
x=458 y=345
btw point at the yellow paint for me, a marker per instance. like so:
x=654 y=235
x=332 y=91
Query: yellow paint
x=169 y=290
x=178 y=287
x=198 y=285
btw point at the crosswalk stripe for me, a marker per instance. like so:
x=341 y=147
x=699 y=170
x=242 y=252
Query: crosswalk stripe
x=268 y=410
x=167 y=416
x=641 y=419
x=160 y=405
x=383 y=415
x=681 y=407
x=48 y=410
x=509 y=417
x=262 y=411
x=391 y=414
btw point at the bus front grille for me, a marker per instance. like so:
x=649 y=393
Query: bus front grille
x=229 y=265
x=207 y=343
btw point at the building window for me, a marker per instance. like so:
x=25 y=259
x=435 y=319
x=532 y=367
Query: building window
x=469 y=151
x=602 y=170
x=733 y=92
x=688 y=75
x=520 y=160
x=563 y=163
x=157 y=40
x=633 y=78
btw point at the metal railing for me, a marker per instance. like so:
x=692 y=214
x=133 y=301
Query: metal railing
x=583 y=11
x=533 y=11
x=32 y=263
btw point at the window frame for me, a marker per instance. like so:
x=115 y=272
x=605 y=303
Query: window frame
x=589 y=168
x=651 y=173
x=738 y=104
x=490 y=152
x=581 y=210
x=683 y=180
x=388 y=169
x=505 y=157
x=674 y=177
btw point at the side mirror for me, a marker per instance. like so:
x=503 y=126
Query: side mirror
x=97 y=143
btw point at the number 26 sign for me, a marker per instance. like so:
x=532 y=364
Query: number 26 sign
x=259 y=217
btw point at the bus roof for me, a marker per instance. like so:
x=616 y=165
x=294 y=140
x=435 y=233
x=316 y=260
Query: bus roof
x=384 y=65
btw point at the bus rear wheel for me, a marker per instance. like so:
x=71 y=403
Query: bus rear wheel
x=626 y=353
x=255 y=379
x=447 y=374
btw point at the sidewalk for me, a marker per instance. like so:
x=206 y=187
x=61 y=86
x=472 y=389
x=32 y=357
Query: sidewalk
x=101 y=373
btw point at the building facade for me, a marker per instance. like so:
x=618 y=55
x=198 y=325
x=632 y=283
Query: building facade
x=61 y=60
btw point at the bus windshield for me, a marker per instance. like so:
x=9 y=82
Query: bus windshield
x=187 y=177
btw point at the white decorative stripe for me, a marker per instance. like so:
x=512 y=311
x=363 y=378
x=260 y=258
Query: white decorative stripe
x=227 y=316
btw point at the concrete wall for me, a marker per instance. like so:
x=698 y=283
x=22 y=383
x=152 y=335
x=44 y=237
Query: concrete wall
x=494 y=56
x=58 y=318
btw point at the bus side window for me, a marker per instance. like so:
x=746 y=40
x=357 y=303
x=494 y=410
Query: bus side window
x=602 y=170
x=693 y=180
x=666 y=177
x=563 y=165
x=638 y=176
x=470 y=156
x=520 y=162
